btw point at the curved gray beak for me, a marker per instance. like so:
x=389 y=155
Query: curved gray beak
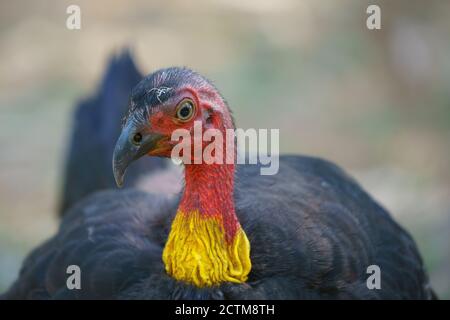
x=126 y=151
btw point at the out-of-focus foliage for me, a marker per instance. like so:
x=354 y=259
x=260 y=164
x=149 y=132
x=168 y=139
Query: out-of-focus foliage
x=375 y=102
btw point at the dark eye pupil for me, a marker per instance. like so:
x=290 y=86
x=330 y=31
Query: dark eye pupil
x=137 y=138
x=185 y=110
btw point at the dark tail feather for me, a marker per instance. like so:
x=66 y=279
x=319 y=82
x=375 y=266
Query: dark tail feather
x=95 y=128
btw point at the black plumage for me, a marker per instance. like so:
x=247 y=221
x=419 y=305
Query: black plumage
x=313 y=238
x=313 y=232
x=95 y=128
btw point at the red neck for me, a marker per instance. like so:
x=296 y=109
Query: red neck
x=209 y=190
x=209 y=187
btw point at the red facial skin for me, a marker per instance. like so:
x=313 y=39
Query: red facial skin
x=208 y=187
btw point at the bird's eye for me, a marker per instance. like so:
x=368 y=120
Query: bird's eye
x=185 y=110
x=137 y=138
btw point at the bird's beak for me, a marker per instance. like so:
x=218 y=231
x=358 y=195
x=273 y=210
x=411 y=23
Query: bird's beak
x=126 y=151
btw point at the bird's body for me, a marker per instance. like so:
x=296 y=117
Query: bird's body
x=312 y=238
x=308 y=231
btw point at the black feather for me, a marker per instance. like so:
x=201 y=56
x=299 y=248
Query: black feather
x=95 y=129
x=313 y=233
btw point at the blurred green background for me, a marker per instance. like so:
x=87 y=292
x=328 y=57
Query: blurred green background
x=375 y=102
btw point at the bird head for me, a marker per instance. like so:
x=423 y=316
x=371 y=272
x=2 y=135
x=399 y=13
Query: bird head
x=206 y=245
x=166 y=100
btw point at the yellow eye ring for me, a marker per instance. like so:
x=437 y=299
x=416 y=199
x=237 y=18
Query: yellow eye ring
x=137 y=138
x=185 y=110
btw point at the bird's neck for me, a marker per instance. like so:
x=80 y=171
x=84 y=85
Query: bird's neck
x=206 y=244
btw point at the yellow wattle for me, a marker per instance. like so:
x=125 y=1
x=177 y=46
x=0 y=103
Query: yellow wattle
x=196 y=251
